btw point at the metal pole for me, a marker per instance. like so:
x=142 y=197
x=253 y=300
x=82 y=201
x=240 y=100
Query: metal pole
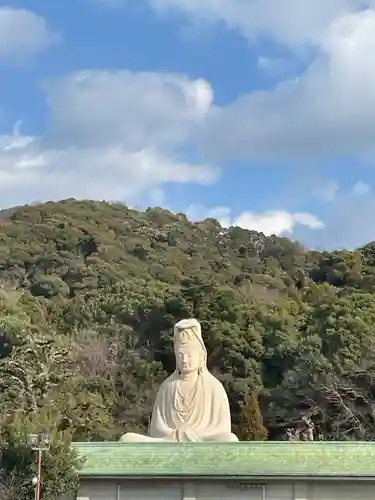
x=38 y=473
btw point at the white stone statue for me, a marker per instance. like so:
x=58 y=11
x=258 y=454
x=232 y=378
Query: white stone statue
x=191 y=404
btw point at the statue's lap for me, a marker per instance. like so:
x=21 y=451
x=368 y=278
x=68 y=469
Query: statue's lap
x=131 y=437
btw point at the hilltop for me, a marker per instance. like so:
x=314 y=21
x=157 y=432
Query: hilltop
x=90 y=291
x=111 y=242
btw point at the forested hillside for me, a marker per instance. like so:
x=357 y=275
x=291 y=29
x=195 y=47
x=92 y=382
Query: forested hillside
x=90 y=292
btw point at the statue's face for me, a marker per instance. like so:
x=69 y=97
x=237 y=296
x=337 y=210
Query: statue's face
x=189 y=359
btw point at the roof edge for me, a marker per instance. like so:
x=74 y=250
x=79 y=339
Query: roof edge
x=263 y=478
x=346 y=444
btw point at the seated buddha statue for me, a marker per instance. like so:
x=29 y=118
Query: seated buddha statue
x=191 y=404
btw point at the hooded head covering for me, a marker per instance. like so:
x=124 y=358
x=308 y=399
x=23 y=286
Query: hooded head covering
x=188 y=331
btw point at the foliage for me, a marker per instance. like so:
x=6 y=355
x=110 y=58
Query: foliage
x=251 y=427
x=18 y=460
x=90 y=291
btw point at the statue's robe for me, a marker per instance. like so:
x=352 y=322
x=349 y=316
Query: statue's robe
x=207 y=419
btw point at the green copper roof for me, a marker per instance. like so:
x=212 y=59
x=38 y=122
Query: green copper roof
x=244 y=459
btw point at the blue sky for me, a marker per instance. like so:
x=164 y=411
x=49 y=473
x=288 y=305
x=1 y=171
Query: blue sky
x=258 y=112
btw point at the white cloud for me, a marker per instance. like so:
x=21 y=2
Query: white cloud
x=349 y=221
x=292 y=22
x=269 y=222
x=330 y=110
x=325 y=112
x=361 y=188
x=277 y=222
x=134 y=109
x=327 y=191
x=113 y=136
x=23 y=33
x=107 y=173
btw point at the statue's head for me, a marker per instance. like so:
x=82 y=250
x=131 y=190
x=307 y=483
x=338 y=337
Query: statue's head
x=189 y=347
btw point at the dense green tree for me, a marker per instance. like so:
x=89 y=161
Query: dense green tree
x=251 y=426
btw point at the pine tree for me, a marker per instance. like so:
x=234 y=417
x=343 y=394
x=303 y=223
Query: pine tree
x=251 y=427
